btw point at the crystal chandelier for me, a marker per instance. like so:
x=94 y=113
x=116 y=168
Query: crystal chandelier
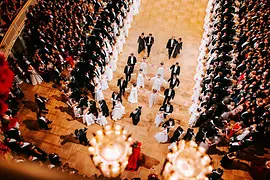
x=186 y=161
x=110 y=149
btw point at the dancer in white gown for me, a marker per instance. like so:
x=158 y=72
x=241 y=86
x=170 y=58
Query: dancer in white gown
x=98 y=93
x=157 y=82
x=159 y=118
x=133 y=96
x=161 y=70
x=113 y=59
x=76 y=111
x=144 y=66
x=109 y=72
x=35 y=78
x=140 y=79
x=101 y=120
x=118 y=111
x=136 y=6
x=152 y=98
x=104 y=83
x=88 y=119
x=162 y=136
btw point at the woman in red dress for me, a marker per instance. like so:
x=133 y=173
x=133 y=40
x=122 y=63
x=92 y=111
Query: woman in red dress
x=134 y=157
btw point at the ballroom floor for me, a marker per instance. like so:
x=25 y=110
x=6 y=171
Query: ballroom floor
x=162 y=18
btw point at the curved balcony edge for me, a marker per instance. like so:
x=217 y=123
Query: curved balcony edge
x=15 y=29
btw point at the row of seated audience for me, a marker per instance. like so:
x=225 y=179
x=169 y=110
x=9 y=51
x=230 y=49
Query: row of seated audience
x=9 y=10
x=231 y=94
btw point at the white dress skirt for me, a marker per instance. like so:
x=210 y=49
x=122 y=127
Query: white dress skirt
x=152 y=99
x=109 y=73
x=135 y=7
x=113 y=64
x=118 y=111
x=101 y=120
x=35 y=78
x=159 y=118
x=89 y=119
x=140 y=80
x=161 y=72
x=133 y=96
x=143 y=67
x=162 y=136
x=98 y=94
x=157 y=83
x=77 y=112
x=104 y=83
x=193 y=119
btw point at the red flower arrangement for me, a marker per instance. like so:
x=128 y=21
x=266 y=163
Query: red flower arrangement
x=6 y=79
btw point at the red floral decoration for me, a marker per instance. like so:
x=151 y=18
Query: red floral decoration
x=6 y=79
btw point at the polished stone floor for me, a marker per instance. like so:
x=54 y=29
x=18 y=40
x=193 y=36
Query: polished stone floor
x=162 y=18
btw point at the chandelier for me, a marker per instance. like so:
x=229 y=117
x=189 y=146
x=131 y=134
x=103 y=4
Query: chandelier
x=110 y=149
x=186 y=161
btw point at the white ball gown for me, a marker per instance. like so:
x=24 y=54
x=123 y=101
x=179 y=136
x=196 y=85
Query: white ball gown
x=109 y=72
x=133 y=96
x=152 y=99
x=89 y=119
x=161 y=72
x=143 y=67
x=118 y=111
x=101 y=120
x=162 y=136
x=140 y=80
x=104 y=83
x=159 y=118
x=98 y=93
x=76 y=111
x=157 y=83
x=35 y=78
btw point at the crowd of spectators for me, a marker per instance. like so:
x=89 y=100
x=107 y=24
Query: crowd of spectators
x=231 y=94
x=9 y=10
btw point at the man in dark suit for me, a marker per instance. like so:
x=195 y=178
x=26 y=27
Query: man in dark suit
x=170 y=45
x=169 y=94
x=169 y=124
x=115 y=96
x=149 y=40
x=43 y=122
x=168 y=109
x=93 y=108
x=174 y=81
x=104 y=108
x=41 y=103
x=176 y=135
x=175 y=69
x=132 y=60
x=128 y=71
x=122 y=84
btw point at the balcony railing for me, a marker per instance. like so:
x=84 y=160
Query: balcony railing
x=15 y=29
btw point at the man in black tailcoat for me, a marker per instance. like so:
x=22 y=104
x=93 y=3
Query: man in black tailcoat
x=149 y=40
x=168 y=109
x=116 y=96
x=170 y=45
x=174 y=81
x=132 y=60
x=135 y=115
x=128 y=71
x=122 y=84
x=104 y=108
x=175 y=69
x=169 y=94
x=176 y=135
